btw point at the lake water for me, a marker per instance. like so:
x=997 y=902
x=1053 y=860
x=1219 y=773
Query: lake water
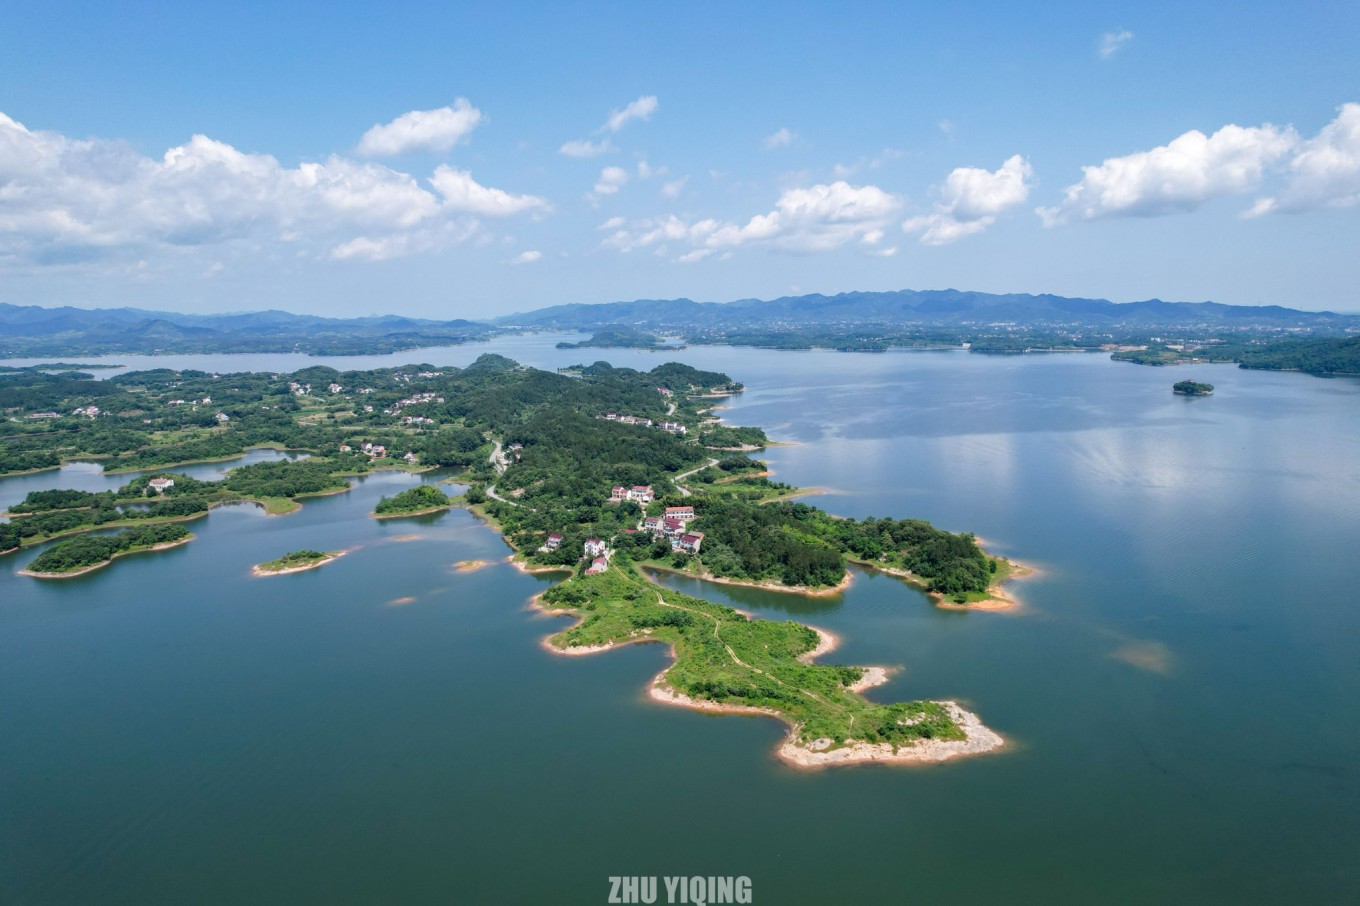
x=1181 y=687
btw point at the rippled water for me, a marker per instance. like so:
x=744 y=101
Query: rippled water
x=1180 y=687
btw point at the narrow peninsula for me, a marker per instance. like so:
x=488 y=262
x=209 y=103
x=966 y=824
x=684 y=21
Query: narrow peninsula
x=77 y=556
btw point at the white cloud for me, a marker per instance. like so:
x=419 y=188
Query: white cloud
x=422 y=130
x=611 y=180
x=805 y=220
x=63 y=200
x=1188 y=172
x=1324 y=171
x=1112 y=42
x=612 y=223
x=780 y=139
x=971 y=199
x=586 y=148
x=647 y=171
x=464 y=195
x=885 y=253
x=526 y=257
x=641 y=109
x=674 y=188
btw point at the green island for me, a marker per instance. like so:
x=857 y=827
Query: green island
x=416 y=501
x=295 y=562
x=77 y=556
x=622 y=338
x=1192 y=388
x=610 y=474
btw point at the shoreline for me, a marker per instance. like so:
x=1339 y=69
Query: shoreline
x=259 y=572
x=425 y=512
x=836 y=589
x=817 y=754
x=165 y=546
x=997 y=599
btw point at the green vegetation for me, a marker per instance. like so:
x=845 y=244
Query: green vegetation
x=560 y=459
x=296 y=560
x=92 y=551
x=1192 y=388
x=423 y=498
x=721 y=437
x=722 y=656
x=620 y=338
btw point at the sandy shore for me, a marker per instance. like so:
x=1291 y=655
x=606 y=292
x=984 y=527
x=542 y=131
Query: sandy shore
x=764 y=586
x=89 y=569
x=467 y=566
x=534 y=570
x=819 y=754
x=425 y=512
x=873 y=676
x=258 y=571
x=997 y=598
x=826 y=642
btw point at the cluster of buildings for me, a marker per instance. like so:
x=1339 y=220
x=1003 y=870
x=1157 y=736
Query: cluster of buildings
x=598 y=552
x=88 y=411
x=642 y=493
x=428 y=397
x=672 y=427
x=674 y=525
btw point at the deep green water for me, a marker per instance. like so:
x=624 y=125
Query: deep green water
x=1182 y=687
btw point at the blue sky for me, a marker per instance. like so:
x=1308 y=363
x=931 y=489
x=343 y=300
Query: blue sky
x=344 y=159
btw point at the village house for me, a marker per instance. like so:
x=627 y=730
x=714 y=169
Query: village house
x=642 y=493
x=594 y=547
x=597 y=566
x=665 y=391
x=674 y=428
x=161 y=485
x=652 y=524
x=223 y=417
x=346 y=448
x=410 y=458
x=554 y=542
x=689 y=542
x=683 y=513
x=618 y=493
x=672 y=528
x=334 y=388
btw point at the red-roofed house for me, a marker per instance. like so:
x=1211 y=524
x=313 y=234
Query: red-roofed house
x=594 y=547
x=684 y=513
x=689 y=542
x=597 y=566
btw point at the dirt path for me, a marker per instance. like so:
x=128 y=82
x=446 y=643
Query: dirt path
x=684 y=491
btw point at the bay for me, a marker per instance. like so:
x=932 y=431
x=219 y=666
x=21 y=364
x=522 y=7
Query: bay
x=1179 y=688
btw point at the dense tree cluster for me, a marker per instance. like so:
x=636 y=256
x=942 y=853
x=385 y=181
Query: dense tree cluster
x=90 y=550
x=412 y=500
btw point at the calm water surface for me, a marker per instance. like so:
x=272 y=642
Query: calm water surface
x=1180 y=687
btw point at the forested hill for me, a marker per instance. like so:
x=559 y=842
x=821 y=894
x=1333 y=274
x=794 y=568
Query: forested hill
x=948 y=307
x=35 y=331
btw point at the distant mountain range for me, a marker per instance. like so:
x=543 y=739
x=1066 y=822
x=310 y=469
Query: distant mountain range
x=856 y=320
x=35 y=331
x=948 y=307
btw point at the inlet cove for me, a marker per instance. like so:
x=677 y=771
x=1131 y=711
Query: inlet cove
x=609 y=475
